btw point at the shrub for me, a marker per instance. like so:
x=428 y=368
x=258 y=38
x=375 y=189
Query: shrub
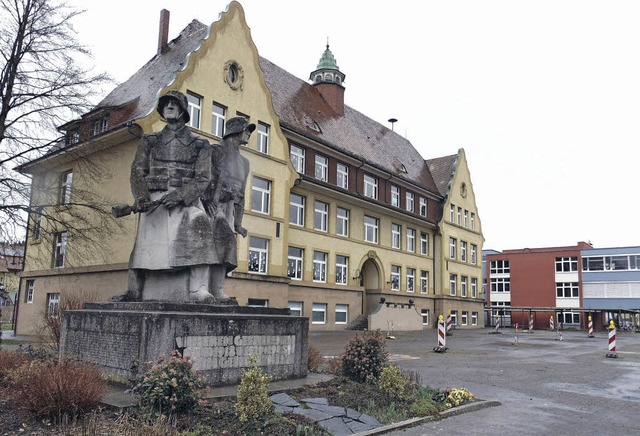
x=314 y=359
x=57 y=391
x=10 y=360
x=424 y=407
x=392 y=382
x=169 y=387
x=50 y=327
x=365 y=356
x=457 y=397
x=253 y=401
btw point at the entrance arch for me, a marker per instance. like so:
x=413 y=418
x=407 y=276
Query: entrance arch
x=371 y=282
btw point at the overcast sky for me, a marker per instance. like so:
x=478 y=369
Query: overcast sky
x=544 y=96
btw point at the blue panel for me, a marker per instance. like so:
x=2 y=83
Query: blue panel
x=611 y=303
x=609 y=251
x=610 y=276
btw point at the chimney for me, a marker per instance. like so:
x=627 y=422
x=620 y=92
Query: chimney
x=163 y=34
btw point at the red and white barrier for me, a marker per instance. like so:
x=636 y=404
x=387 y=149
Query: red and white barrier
x=449 y=324
x=516 y=329
x=552 y=326
x=497 y=322
x=612 y=340
x=531 y=324
x=591 y=335
x=442 y=340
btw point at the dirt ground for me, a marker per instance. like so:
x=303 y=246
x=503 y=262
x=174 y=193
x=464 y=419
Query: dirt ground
x=546 y=386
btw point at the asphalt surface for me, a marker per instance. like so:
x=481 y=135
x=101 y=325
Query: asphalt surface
x=545 y=386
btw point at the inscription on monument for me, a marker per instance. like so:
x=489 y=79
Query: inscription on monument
x=218 y=352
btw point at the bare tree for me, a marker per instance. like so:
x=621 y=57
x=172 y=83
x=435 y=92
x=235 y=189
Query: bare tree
x=43 y=84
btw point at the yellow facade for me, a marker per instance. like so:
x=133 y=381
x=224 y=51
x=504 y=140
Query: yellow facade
x=95 y=263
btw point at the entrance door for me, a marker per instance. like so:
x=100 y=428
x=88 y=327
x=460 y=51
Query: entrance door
x=371 y=283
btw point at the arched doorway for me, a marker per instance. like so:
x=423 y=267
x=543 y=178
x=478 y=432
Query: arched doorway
x=371 y=282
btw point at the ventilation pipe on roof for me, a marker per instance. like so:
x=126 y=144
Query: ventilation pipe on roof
x=163 y=33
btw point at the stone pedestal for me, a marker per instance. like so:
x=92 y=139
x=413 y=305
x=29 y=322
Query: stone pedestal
x=120 y=337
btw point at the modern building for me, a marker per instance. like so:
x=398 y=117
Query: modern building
x=611 y=284
x=342 y=212
x=566 y=283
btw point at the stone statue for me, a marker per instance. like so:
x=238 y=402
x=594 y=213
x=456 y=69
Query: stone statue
x=230 y=171
x=190 y=199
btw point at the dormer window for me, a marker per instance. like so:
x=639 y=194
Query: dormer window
x=73 y=136
x=100 y=125
x=318 y=78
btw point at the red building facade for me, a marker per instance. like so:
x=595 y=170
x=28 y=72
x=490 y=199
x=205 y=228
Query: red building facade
x=537 y=283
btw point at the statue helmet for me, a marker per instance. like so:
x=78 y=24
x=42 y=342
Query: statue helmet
x=180 y=98
x=237 y=125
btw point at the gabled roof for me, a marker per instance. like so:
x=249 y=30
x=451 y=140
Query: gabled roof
x=442 y=170
x=299 y=105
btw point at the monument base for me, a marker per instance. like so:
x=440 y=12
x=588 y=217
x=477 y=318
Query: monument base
x=120 y=337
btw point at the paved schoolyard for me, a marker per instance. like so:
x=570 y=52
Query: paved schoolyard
x=546 y=386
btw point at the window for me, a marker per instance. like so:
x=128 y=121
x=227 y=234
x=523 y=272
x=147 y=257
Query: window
x=66 y=180
x=466 y=218
x=59 y=249
x=194 y=106
x=395 y=235
x=459 y=215
x=569 y=318
x=370 y=187
x=322 y=168
x=567 y=290
x=463 y=251
x=452 y=248
x=453 y=280
x=454 y=317
x=423 y=206
x=319 y=267
x=295 y=263
x=342 y=222
x=100 y=125
x=411 y=277
x=499 y=284
x=474 y=254
x=218 y=116
x=342 y=176
x=296 y=210
x=371 y=229
x=464 y=318
x=452 y=213
x=463 y=286
x=424 y=243
x=342 y=269
x=257 y=302
x=474 y=318
x=409 y=201
x=53 y=304
x=30 y=291
x=424 y=282
x=296 y=308
x=499 y=267
x=258 y=255
x=566 y=264
x=319 y=313
x=425 y=316
x=73 y=136
x=474 y=287
x=395 y=277
x=320 y=216
x=37 y=227
x=473 y=221
x=342 y=313
x=411 y=240
x=297 y=158
x=395 y=196
x=263 y=138
x=260 y=195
